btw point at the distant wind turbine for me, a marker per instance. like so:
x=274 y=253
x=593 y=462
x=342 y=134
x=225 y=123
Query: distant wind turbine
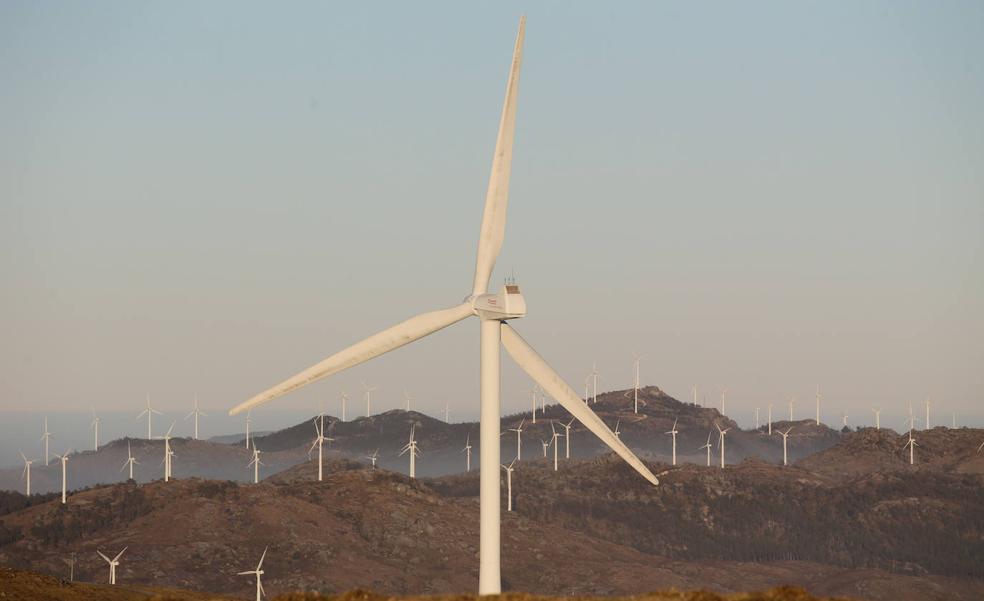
x=694 y=389
x=46 y=439
x=249 y=420
x=533 y=391
x=673 y=432
x=406 y=397
x=344 y=399
x=367 y=389
x=509 y=471
x=256 y=463
x=708 y=447
x=877 y=413
x=594 y=383
x=319 y=441
x=792 y=403
x=168 y=453
x=27 y=473
x=112 y=564
x=411 y=448
x=257 y=572
x=64 y=462
x=373 y=457
x=447 y=412
x=721 y=434
x=567 y=438
x=71 y=567
x=844 y=417
x=150 y=412
x=818 y=404
x=130 y=460
x=519 y=438
x=912 y=447
x=785 y=437
x=770 y=419
x=467 y=452
x=555 y=442
x=95 y=429
x=724 y=391
x=196 y=413
x=635 y=385
x=616 y=431
x=927 y=413
x=546 y=445
x=757 y=423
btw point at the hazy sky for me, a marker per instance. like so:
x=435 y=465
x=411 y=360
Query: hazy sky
x=212 y=196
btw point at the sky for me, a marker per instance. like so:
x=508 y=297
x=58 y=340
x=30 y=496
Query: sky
x=209 y=197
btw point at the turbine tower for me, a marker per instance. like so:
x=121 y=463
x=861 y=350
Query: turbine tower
x=150 y=412
x=257 y=572
x=130 y=460
x=249 y=420
x=46 y=439
x=367 y=389
x=467 y=452
x=927 y=413
x=411 y=448
x=27 y=474
x=877 y=413
x=844 y=417
x=792 y=403
x=112 y=564
x=406 y=397
x=95 y=430
x=519 y=438
x=373 y=457
x=344 y=399
x=912 y=447
x=724 y=391
x=785 y=438
x=319 y=441
x=708 y=447
x=168 y=453
x=555 y=442
x=594 y=382
x=509 y=471
x=721 y=434
x=770 y=419
x=567 y=438
x=673 y=432
x=818 y=404
x=635 y=385
x=546 y=445
x=256 y=463
x=64 y=462
x=196 y=412
x=534 y=391
x=493 y=310
x=757 y=422
x=694 y=389
x=447 y=412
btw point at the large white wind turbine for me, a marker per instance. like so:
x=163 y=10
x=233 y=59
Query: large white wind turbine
x=112 y=564
x=64 y=462
x=95 y=430
x=467 y=452
x=256 y=463
x=785 y=438
x=150 y=412
x=912 y=448
x=493 y=310
x=257 y=572
x=46 y=440
x=519 y=438
x=27 y=473
x=411 y=448
x=196 y=412
x=130 y=460
x=367 y=389
x=721 y=434
x=509 y=471
x=673 y=432
x=319 y=441
x=708 y=447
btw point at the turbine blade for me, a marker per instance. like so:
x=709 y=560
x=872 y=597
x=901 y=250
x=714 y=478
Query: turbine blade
x=120 y=554
x=360 y=352
x=497 y=197
x=104 y=557
x=541 y=373
x=262 y=557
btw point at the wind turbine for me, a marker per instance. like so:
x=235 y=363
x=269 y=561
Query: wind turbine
x=318 y=442
x=616 y=431
x=27 y=473
x=555 y=442
x=344 y=399
x=150 y=412
x=447 y=412
x=256 y=463
x=95 y=427
x=927 y=413
x=844 y=417
x=757 y=423
x=567 y=438
x=635 y=386
x=64 y=462
x=71 y=567
x=406 y=397
x=877 y=413
x=694 y=389
x=818 y=404
x=724 y=391
x=533 y=391
x=912 y=447
x=196 y=413
x=708 y=447
x=46 y=439
x=770 y=419
x=792 y=403
x=168 y=453
x=372 y=457
x=467 y=452
x=721 y=434
x=519 y=438
x=257 y=572
x=785 y=437
x=673 y=432
x=112 y=564
x=130 y=460
x=594 y=382
x=493 y=310
x=411 y=448
x=546 y=445
x=509 y=471
x=365 y=387
x=980 y=447
x=249 y=420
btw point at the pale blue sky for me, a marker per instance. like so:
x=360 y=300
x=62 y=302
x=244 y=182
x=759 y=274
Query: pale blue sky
x=212 y=196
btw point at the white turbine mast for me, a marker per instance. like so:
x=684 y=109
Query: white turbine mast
x=911 y=445
x=249 y=420
x=792 y=403
x=255 y=463
x=509 y=471
x=95 y=430
x=406 y=398
x=447 y=412
x=555 y=442
x=64 y=464
x=724 y=391
x=635 y=386
x=844 y=417
x=594 y=382
x=927 y=413
x=567 y=438
x=877 y=413
x=27 y=473
x=694 y=389
x=130 y=460
x=112 y=564
x=493 y=310
x=519 y=439
x=344 y=401
x=721 y=434
x=818 y=404
x=467 y=452
x=367 y=390
x=196 y=413
x=533 y=391
x=46 y=439
x=257 y=572
x=412 y=450
x=785 y=438
x=770 y=419
x=150 y=412
x=757 y=421
x=673 y=432
x=373 y=457
x=168 y=453
x=319 y=440
x=708 y=447
x=546 y=445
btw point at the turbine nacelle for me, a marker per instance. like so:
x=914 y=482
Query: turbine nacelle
x=507 y=304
